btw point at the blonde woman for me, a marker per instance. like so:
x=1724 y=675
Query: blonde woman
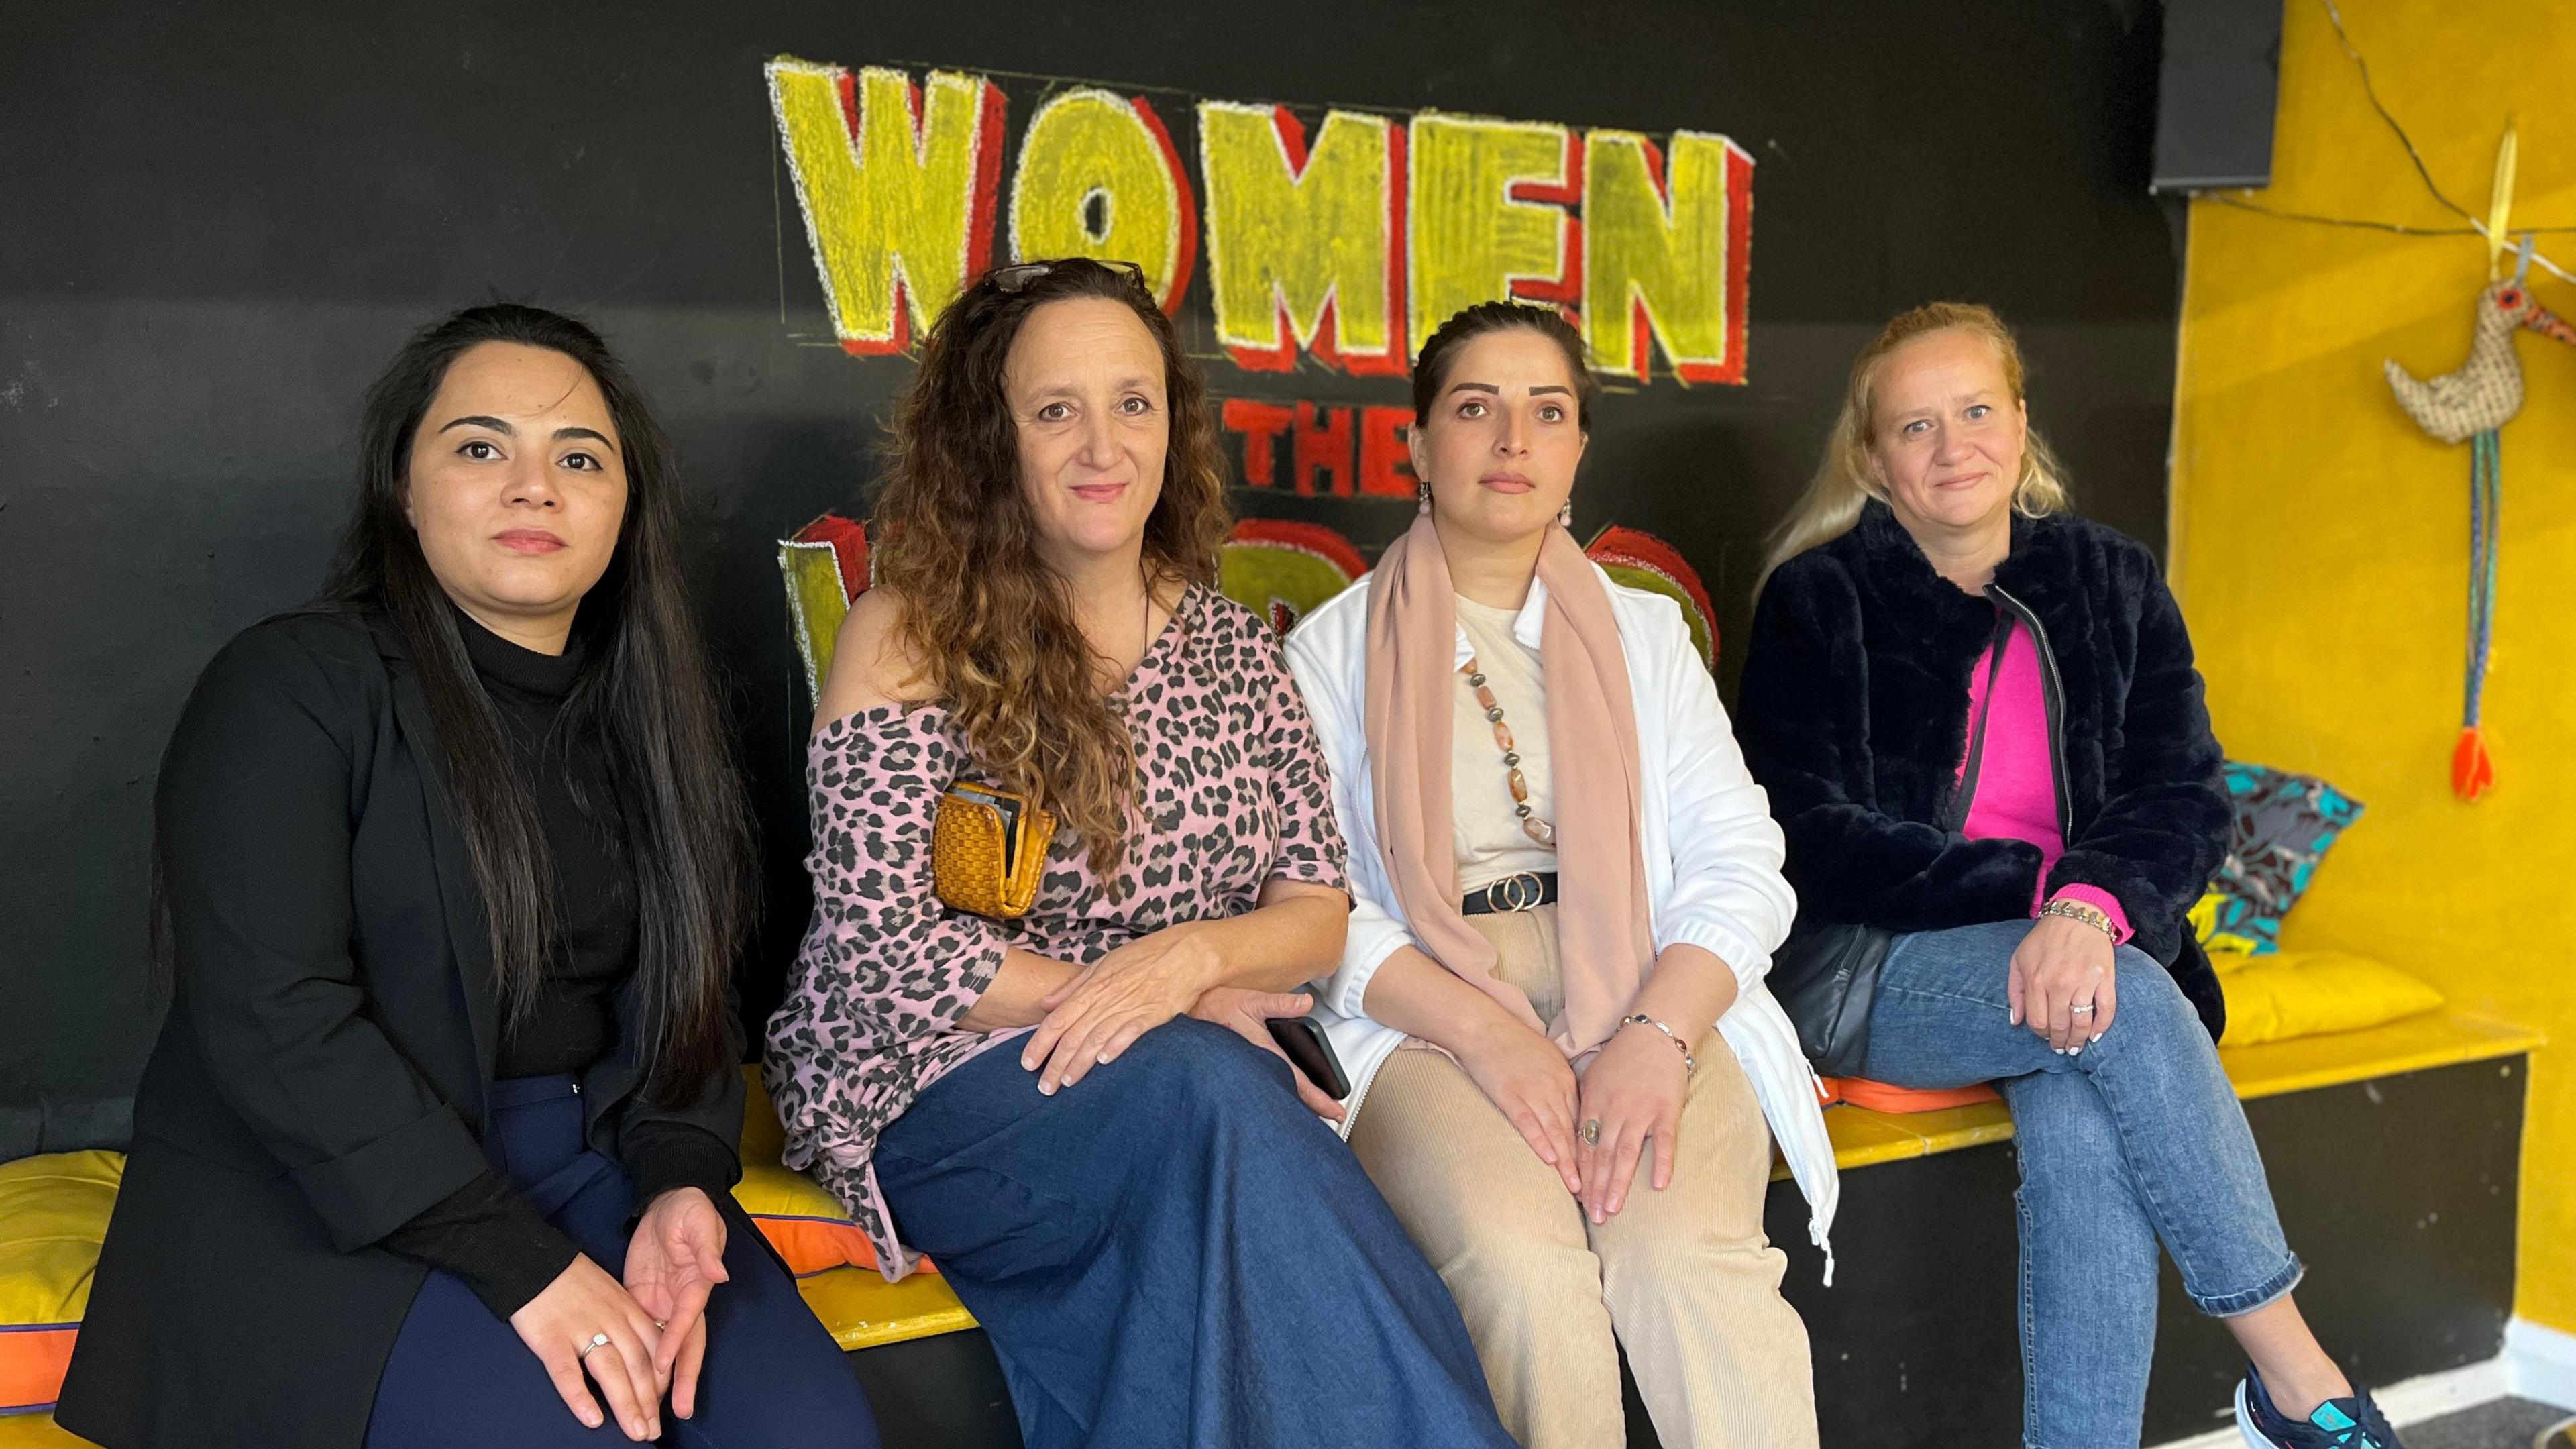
x=1565 y=890
x=1979 y=723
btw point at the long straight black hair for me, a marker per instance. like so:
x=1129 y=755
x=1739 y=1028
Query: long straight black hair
x=644 y=689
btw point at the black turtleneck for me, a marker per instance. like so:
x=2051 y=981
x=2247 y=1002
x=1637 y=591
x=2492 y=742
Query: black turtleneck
x=485 y=1233
x=570 y=1024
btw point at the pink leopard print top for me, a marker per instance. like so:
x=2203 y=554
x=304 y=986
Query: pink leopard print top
x=1233 y=794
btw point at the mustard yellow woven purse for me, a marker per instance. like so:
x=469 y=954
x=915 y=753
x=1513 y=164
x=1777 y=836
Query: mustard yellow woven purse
x=988 y=849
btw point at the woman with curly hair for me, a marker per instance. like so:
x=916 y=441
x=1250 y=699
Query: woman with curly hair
x=1165 y=1246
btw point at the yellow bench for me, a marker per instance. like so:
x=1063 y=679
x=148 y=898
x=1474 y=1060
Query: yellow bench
x=2411 y=1044
x=862 y=1310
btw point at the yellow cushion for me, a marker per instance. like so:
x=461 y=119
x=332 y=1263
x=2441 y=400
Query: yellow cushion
x=762 y=1138
x=37 y=1431
x=808 y=1226
x=53 y=1215
x=2290 y=994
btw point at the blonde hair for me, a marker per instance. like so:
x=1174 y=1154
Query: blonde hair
x=1844 y=480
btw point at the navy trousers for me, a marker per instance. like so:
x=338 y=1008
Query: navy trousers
x=772 y=1378
x=1172 y=1251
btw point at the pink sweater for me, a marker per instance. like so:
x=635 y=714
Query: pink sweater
x=2016 y=795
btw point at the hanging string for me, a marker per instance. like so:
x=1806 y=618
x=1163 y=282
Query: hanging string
x=2485 y=499
x=2472 y=768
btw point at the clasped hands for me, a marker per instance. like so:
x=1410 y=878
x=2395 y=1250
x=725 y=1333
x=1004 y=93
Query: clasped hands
x=1634 y=1089
x=655 y=1321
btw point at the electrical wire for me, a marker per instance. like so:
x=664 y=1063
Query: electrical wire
x=2475 y=227
x=2363 y=223
x=2372 y=91
x=2367 y=224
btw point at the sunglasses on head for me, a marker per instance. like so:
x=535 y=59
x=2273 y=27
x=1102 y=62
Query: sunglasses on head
x=1015 y=278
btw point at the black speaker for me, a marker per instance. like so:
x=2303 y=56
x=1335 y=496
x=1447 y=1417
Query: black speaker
x=2220 y=78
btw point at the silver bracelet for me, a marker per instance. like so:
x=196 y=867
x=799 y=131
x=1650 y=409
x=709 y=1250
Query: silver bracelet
x=1690 y=1063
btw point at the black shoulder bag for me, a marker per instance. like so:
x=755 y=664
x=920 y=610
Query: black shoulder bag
x=1826 y=975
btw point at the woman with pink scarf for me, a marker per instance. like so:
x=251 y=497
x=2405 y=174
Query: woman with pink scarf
x=1566 y=889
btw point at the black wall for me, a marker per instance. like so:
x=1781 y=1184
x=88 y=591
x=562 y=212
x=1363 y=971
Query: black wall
x=216 y=222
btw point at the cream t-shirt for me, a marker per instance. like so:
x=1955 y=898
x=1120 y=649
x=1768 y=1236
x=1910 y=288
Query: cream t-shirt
x=1489 y=839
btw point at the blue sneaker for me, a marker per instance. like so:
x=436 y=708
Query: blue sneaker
x=2353 y=1423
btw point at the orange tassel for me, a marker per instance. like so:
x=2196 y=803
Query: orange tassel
x=2472 y=771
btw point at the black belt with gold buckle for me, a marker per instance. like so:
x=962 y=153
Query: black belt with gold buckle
x=1526 y=891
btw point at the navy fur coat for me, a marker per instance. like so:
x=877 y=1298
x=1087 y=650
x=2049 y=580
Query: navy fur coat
x=1854 y=716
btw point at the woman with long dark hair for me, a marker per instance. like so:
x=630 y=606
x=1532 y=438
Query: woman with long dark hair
x=436 y=1146
x=1074 y=1107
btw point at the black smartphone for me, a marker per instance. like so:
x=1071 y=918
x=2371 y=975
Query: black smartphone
x=1009 y=809
x=1303 y=1039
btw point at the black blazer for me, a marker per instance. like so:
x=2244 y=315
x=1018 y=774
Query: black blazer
x=1854 y=716
x=322 y=1076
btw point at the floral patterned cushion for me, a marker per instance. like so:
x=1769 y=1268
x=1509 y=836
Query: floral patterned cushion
x=2284 y=824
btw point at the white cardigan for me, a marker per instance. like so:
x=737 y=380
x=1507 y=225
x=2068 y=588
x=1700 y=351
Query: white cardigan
x=1713 y=856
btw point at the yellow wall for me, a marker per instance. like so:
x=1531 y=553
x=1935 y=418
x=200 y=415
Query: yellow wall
x=2320 y=539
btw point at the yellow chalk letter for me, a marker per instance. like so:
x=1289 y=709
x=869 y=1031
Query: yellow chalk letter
x=897 y=188
x=1302 y=245
x=1098 y=178
x=1665 y=253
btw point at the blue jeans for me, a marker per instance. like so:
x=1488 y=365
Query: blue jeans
x=2138 y=1137
x=772 y=1379
x=1172 y=1251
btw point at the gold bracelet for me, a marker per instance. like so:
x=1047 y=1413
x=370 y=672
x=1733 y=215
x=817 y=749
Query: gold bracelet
x=2091 y=915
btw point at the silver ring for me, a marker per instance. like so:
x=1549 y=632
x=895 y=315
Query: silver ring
x=597 y=1340
x=2085 y=1010
x=1592 y=1132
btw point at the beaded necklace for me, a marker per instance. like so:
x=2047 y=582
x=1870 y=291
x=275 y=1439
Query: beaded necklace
x=1537 y=829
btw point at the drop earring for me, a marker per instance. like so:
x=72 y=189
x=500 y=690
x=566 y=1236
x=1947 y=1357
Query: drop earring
x=1565 y=516
x=1424 y=493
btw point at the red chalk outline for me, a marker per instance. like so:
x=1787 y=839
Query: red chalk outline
x=1185 y=212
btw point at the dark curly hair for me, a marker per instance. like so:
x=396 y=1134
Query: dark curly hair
x=988 y=622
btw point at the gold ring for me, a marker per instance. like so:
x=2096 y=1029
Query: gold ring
x=1521 y=891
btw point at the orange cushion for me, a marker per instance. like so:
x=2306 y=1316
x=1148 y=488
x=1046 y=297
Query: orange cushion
x=808 y=1226
x=32 y=1364
x=1880 y=1097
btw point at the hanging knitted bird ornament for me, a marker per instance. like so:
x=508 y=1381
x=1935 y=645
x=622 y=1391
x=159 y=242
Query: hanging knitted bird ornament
x=2471 y=405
